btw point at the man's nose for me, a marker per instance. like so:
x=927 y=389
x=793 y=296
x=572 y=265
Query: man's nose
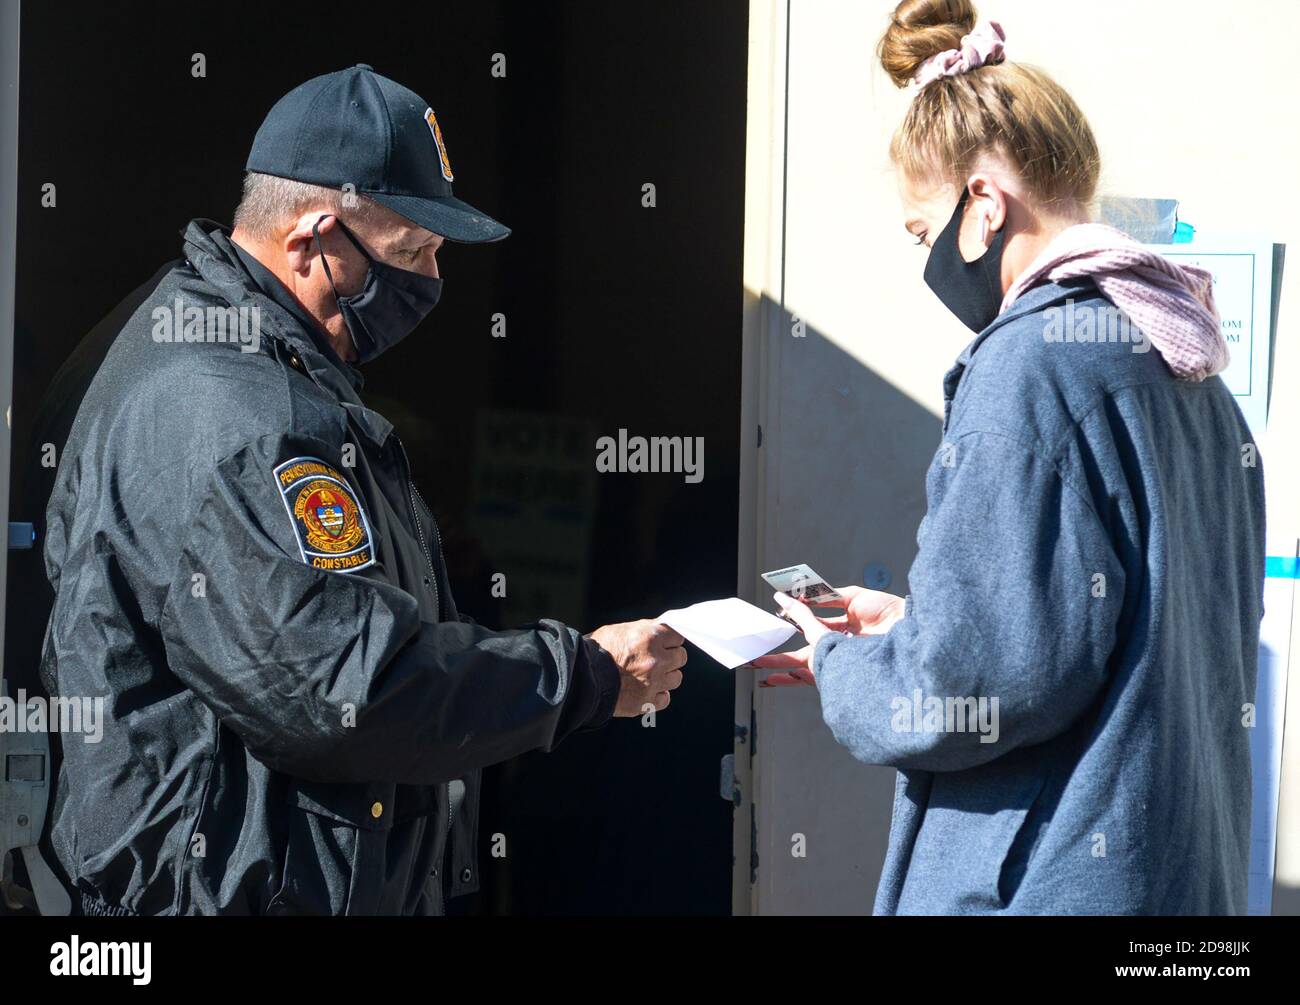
x=426 y=265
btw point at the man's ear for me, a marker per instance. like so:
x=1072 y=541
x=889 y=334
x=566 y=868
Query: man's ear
x=989 y=200
x=299 y=243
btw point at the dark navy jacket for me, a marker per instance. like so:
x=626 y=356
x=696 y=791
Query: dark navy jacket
x=1092 y=559
x=245 y=572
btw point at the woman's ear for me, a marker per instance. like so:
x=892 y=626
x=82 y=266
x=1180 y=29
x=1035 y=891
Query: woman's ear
x=989 y=202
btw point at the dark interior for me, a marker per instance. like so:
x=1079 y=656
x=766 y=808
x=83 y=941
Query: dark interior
x=617 y=316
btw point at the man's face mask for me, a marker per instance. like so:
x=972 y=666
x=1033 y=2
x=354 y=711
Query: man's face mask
x=390 y=305
x=971 y=290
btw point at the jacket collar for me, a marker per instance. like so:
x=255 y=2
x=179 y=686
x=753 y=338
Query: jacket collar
x=372 y=425
x=1039 y=298
x=211 y=254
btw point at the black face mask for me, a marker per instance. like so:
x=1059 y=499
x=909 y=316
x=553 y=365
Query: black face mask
x=390 y=305
x=971 y=290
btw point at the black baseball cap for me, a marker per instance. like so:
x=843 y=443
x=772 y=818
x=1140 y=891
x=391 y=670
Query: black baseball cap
x=354 y=127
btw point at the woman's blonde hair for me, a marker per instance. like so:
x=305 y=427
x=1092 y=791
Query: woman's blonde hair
x=1007 y=108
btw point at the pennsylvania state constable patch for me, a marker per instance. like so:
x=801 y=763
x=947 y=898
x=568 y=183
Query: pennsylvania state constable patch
x=332 y=530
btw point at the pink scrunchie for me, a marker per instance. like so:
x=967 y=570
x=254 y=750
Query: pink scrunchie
x=982 y=46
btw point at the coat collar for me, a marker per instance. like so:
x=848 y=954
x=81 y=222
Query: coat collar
x=1039 y=298
x=211 y=254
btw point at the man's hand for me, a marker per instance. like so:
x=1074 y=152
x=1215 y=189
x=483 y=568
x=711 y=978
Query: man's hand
x=866 y=612
x=649 y=657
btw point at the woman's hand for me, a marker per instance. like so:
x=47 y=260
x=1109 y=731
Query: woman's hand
x=866 y=612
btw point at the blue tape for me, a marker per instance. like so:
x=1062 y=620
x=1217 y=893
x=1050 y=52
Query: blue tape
x=1277 y=567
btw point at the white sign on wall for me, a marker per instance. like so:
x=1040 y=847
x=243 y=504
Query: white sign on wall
x=1242 y=267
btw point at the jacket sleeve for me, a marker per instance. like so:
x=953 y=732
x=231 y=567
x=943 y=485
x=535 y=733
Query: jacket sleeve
x=333 y=676
x=1007 y=634
x=604 y=669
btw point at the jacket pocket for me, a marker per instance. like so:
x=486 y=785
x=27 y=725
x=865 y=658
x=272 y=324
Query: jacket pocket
x=1004 y=865
x=974 y=842
x=335 y=849
x=1030 y=823
x=464 y=865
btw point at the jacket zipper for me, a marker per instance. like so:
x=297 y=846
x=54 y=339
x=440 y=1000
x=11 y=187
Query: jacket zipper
x=412 y=493
x=437 y=537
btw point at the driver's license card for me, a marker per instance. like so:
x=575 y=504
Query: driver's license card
x=800 y=582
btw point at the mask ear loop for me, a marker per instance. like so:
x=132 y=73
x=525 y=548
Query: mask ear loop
x=315 y=230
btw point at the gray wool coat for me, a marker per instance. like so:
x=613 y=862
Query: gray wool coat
x=1065 y=696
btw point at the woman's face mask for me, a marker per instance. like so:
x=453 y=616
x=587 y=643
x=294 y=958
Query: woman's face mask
x=971 y=290
x=390 y=305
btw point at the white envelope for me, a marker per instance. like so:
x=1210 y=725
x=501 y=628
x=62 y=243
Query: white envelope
x=732 y=631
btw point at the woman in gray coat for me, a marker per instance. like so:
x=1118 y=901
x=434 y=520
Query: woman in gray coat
x=1066 y=691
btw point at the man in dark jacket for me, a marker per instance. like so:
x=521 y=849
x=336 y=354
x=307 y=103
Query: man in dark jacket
x=296 y=714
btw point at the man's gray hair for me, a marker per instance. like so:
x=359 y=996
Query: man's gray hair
x=269 y=202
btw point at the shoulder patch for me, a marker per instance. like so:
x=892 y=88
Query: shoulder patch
x=328 y=521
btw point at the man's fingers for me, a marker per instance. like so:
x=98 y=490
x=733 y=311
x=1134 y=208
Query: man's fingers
x=667 y=637
x=673 y=680
x=777 y=661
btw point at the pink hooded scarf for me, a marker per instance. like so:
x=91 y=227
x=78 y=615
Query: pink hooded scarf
x=1172 y=305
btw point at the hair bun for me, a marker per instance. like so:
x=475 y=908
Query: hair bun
x=920 y=29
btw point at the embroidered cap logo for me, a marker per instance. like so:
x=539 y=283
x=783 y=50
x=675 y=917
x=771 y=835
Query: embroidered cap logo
x=434 y=128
